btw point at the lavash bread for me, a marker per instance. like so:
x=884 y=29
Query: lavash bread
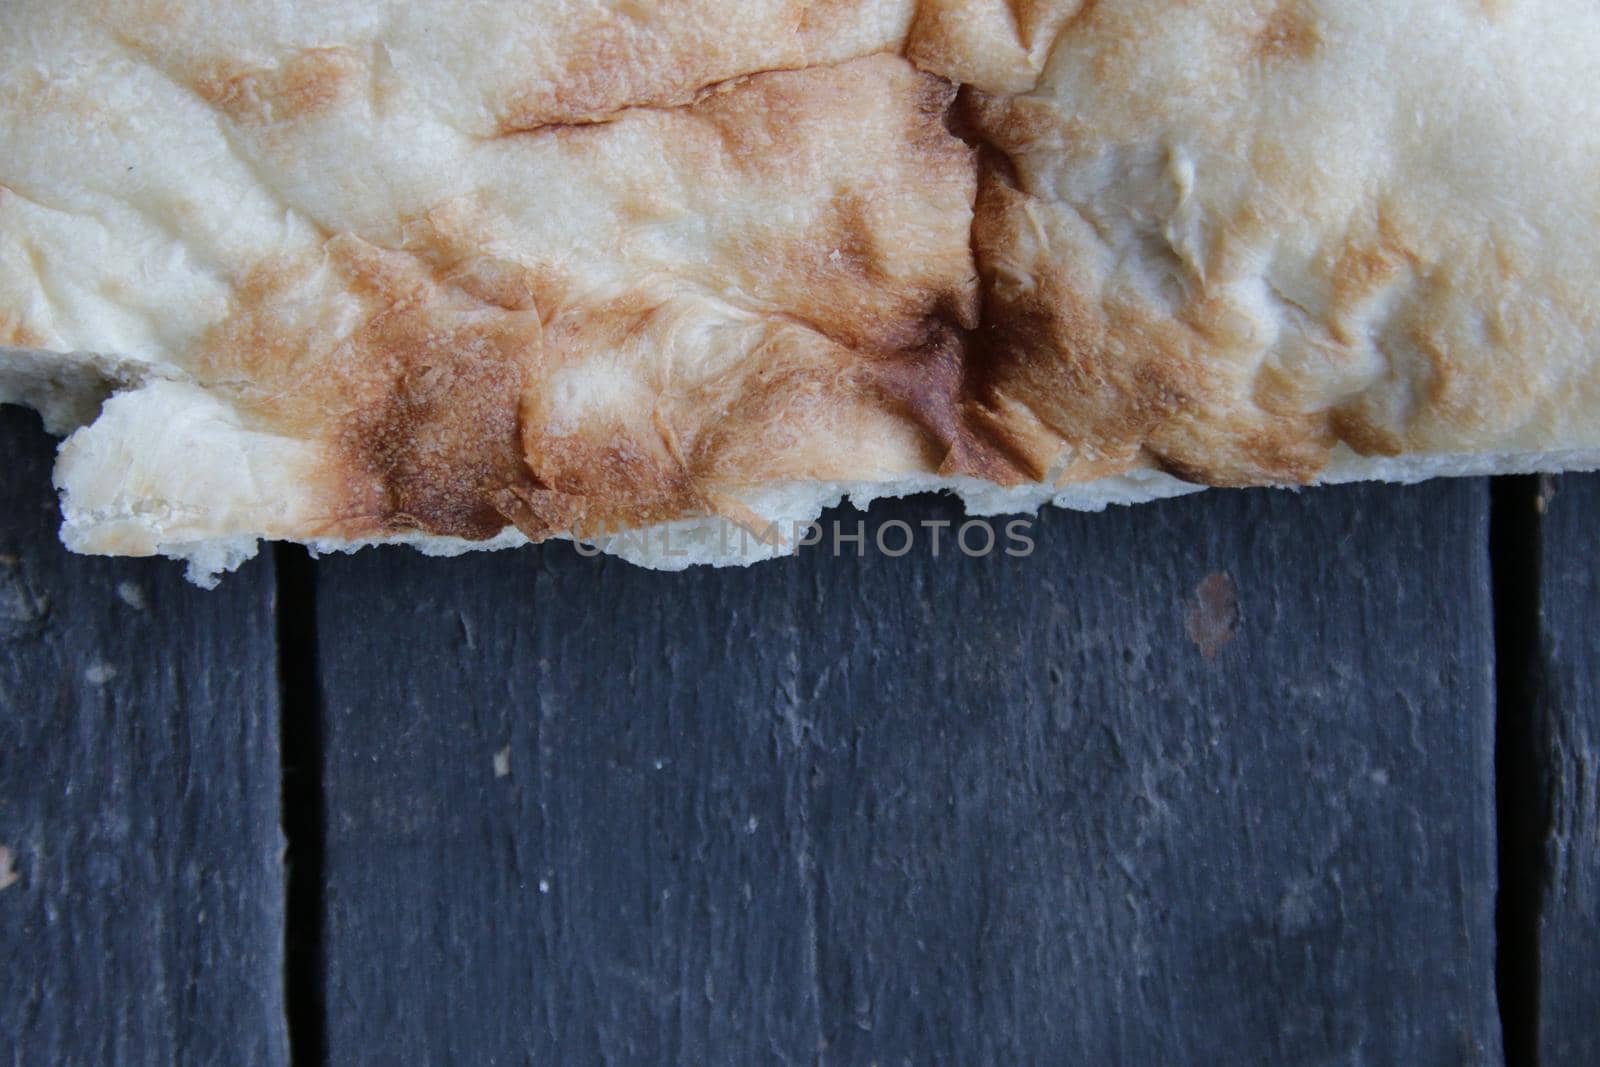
x=471 y=275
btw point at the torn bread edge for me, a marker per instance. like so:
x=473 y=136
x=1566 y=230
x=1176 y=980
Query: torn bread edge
x=131 y=485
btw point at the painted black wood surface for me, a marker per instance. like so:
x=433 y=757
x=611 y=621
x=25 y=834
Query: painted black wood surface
x=1202 y=781
x=141 y=914
x=1566 y=736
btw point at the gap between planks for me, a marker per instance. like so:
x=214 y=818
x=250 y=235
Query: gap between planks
x=304 y=809
x=1521 y=821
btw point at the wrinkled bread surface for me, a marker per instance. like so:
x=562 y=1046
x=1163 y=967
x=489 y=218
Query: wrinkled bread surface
x=470 y=275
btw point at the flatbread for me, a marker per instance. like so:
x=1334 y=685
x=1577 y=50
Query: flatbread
x=472 y=275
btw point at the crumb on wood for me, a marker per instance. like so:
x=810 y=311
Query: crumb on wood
x=8 y=868
x=502 y=762
x=130 y=594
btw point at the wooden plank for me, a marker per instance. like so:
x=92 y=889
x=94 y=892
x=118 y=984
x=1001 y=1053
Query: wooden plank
x=558 y=814
x=1204 y=780
x=1566 y=733
x=1083 y=837
x=142 y=908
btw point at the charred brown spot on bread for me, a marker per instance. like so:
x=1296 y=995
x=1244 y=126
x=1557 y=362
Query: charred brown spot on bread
x=442 y=399
x=446 y=407
x=417 y=404
x=435 y=433
x=842 y=280
x=1042 y=339
x=1290 y=33
x=300 y=85
x=1048 y=351
x=443 y=442
x=1111 y=371
x=1356 y=428
x=933 y=384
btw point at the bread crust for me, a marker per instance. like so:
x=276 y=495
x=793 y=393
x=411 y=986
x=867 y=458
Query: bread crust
x=558 y=268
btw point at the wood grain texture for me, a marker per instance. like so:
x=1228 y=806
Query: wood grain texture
x=142 y=908
x=1199 y=781
x=1567 y=739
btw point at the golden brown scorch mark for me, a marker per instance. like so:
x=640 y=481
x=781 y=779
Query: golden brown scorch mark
x=419 y=403
x=429 y=400
x=298 y=86
x=438 y=401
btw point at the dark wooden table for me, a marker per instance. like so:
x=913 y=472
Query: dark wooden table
x=1244 y=777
